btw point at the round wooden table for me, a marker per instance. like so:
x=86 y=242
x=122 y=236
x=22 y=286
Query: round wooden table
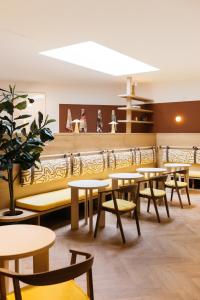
x=176 y=166
x=124 y=176
x=20 y=241
x=148 y=171
x=88 y=186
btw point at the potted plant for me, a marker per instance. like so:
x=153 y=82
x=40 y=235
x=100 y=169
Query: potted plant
x=19 y=145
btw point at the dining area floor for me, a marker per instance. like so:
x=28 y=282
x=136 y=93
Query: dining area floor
x=163 y=263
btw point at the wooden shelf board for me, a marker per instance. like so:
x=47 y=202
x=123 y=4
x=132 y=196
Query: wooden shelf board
x=134 y=97
x=136 y=122
x=136 y=109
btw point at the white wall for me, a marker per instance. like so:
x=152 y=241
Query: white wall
x=170 y=91
x=60 y=94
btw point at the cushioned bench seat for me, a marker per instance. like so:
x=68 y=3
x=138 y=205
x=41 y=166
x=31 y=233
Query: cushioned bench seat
x=47 y=201
x=194 y=174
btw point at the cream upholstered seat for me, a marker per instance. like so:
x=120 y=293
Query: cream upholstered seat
x=171 y=183
x=194 y=174
x=66 y=290
x=46 y=201
x=157 y=193
x=123 y=205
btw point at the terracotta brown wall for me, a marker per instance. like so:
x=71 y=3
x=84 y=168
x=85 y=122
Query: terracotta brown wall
x=165 y=113
x=91 y=115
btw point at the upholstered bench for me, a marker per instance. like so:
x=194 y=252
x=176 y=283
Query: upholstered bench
x=48 y=202
x=76 y=166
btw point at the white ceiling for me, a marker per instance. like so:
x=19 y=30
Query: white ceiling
x=164 y=34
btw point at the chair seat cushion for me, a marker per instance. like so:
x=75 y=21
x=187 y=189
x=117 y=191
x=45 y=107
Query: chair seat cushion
x=67 y=290
x=171 y=183
x=157 y=193
x=123 y=205
x=50 y=200
x=194 y=174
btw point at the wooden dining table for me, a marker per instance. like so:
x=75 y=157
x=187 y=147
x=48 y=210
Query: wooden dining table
x=20 y=241
x=89 y=186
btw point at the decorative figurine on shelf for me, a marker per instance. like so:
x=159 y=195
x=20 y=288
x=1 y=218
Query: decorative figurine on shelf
x=69 y=120
x=114 y=119
x=113 y=126
x=99 y=121
x=76 y=127
x=83 y=121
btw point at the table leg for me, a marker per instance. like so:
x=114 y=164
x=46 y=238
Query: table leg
x=86 y=207
x=103 y=215
x=17 y=265
x=90 y=211
x=4 y=281
x=74 y=209
x=114 y=184
x=41 y=262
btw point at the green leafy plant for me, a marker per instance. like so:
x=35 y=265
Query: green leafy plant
x=17 y=144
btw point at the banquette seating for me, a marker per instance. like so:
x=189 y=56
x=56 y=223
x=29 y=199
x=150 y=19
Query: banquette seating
x=190 y=155
x=44 y=189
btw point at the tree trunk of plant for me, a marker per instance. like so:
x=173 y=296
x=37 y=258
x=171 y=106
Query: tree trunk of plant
x=11 y=191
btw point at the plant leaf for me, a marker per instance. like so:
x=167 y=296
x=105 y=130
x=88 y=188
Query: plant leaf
x=21 y=126
x=21 y=105
x=40 y=118
x=22 y=117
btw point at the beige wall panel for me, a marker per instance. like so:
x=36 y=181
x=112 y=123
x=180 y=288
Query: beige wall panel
x=64 y=143
x=178 y=139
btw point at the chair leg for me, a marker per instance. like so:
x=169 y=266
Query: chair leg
x=156 y=210
x=188 y=196
x=120 y=227
x=179 y=197
x=97 y=223
x=135 y=214
x=166 y=205
x=148 y=205
x=172 y=192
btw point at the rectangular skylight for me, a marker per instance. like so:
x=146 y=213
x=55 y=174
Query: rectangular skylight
x=99 y=58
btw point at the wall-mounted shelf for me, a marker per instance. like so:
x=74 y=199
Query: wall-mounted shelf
x=148 y=111
x=129 y=108
x=137 y=98
x=136 y=122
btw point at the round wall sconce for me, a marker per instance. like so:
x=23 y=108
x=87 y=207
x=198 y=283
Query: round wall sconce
x=178 y=119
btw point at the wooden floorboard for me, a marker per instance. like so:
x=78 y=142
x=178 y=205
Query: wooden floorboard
x=162 y=264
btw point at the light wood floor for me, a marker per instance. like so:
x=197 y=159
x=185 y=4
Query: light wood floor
x=164 y=263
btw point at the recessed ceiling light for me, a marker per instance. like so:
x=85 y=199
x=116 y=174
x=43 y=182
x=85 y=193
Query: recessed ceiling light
x=99 y=58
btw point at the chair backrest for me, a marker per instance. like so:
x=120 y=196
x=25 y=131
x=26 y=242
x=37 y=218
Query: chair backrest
x=179 y=175
x=56 y=276
x=159 y=181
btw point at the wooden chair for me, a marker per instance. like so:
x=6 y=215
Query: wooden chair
x=154 y=194
x=118 y=206
x=177 y=184
x=54 y=285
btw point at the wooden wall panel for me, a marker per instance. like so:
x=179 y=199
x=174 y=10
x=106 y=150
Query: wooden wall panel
x=91 y=115
x=70 y=142
x=165 y=113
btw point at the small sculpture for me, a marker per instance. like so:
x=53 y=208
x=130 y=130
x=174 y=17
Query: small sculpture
x=113 y=126
x=99 y=121
x=114 y=119
x=76 y=127
x=69 y=120
x=83 y=121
